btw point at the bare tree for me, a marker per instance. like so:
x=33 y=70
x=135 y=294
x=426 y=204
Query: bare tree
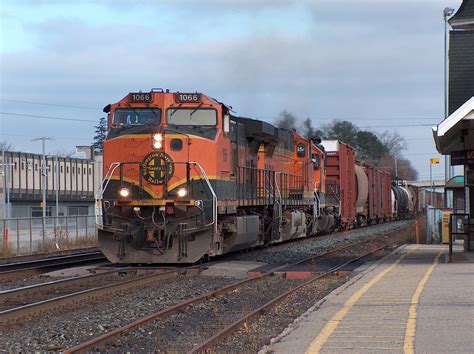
x=394 y=143
x=404 y=169
x=6 y=146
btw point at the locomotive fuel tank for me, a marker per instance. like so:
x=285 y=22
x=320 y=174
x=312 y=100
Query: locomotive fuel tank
x=240 y=232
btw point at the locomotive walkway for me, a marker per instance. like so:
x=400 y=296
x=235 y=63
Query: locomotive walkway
x=411 y=301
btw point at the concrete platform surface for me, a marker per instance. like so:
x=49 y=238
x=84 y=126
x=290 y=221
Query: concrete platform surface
x=411 y=301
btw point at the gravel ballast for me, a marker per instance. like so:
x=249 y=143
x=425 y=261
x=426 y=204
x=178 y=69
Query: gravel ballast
x=69 y=327
x=73 y=326
x=299 y=249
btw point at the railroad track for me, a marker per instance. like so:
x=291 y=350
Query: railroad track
x=22 y=303
x=20 y=269
x=225 y=323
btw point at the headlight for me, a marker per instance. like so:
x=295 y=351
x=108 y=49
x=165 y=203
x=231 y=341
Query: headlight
x=182 y=192
x=124 y=192
x=157 y=144
x=158 y=137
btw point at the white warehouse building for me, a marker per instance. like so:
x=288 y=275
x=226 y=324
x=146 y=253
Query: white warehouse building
x=71 y=185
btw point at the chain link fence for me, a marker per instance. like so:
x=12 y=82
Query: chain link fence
x=24 y=236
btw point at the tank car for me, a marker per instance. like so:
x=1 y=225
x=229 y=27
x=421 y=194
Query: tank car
x=405 y=200
x=185 y=180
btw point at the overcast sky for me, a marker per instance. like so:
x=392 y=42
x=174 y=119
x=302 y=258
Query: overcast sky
x=376 y=63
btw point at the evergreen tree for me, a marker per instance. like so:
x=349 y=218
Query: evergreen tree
x=100 y=134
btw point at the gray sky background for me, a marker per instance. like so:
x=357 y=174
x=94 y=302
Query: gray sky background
x=378 y=64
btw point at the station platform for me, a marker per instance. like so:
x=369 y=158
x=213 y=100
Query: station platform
x=411 y=301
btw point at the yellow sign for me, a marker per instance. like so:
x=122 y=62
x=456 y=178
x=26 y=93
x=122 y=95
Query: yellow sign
x=41 y=205
x=434 y=161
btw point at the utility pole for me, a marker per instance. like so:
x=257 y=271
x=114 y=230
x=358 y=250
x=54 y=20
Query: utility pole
x=5 y=185
x=43 y=171
x=56 y=170
x=446 y=13
x=6 y=166
x=433 y=161
x=396 y=167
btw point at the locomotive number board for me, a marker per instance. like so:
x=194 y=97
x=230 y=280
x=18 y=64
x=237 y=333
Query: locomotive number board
x=187 y=97
x=137 y=97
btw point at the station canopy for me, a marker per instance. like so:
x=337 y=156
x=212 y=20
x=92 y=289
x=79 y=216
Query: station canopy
x=456 y=133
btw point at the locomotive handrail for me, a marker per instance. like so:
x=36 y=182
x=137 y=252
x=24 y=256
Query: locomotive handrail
x=113 y=167
x=279 y=197
x=100 y=193
x=214 y=196
x=318 y=211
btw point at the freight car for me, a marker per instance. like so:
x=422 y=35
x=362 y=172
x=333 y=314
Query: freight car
x=185 y=179
x=374 y=204
x=404 y=200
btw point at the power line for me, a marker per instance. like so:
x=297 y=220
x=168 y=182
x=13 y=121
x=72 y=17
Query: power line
x=46 y=103
x=423 y=154
x=399 y=126
x=417 y=139
x=321 y=118
x=388 y=118
x=55 y=137
x=49 y=117
x=94 y=121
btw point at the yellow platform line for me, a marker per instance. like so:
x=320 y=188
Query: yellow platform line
x=408 y=346
x=355 y=342
x=368 y=331
x=330 y=327
x=372 y=348
x=393 y=337
x=372 y=325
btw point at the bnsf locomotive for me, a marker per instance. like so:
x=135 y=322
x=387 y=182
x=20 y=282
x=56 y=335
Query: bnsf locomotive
x=184 y=179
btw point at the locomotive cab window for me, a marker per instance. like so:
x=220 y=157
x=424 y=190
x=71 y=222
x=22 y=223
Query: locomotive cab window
x=129 y=117
x=191 y=116
x=316 y=160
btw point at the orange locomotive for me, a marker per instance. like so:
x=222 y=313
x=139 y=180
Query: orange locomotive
x=185 y=180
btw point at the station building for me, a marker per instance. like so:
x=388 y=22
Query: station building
x=71 y=185
x=454 y=136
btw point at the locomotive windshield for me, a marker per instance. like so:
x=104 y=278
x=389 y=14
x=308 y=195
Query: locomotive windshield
x=136 y=116
x=191 y=116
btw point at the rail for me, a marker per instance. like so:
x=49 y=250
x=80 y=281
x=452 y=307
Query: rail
x=31 y=309
x=101 y=341
x=206 y=345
